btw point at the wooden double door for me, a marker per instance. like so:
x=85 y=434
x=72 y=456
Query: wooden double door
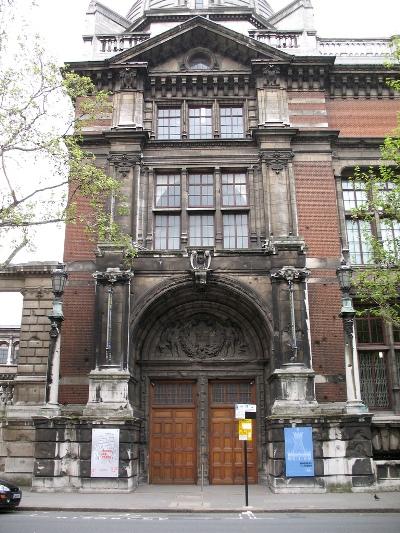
x=174 y=433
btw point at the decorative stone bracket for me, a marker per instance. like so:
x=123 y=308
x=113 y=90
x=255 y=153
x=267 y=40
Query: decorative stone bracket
x=200 y=261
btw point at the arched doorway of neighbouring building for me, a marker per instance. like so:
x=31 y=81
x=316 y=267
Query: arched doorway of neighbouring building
x=195 y=355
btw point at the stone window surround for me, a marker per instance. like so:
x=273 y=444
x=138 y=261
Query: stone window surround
x=218 y=210
x=215 y=104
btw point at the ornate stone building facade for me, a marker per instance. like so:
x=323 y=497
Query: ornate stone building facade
x=234 y=131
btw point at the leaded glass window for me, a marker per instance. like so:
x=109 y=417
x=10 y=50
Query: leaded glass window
x=173 y=393
x=236 y=231
x=231 y=393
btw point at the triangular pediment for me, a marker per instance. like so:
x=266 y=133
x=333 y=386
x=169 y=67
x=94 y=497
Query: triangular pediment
x=237 y=50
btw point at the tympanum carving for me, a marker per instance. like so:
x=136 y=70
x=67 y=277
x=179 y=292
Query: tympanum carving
x=202 y=337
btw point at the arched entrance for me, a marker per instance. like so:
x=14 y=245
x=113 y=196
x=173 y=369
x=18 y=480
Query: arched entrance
x=196 y=354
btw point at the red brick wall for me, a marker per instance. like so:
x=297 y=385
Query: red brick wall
x=327 y=334
x=364 y=118
x=317 y=208
x=77 y=342
x=79 y=245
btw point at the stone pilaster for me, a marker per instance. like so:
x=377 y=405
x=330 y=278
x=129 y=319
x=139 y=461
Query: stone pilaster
x=109 y=381
x=292 y=380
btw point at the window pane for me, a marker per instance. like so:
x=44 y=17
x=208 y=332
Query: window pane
x=200 y=123
x=168 y=190
x=360 y=249
x=167 y=232
x=3 y=354
x=231 y=119
x=234 y=189
x=201 y=190
x=201 y=229
x=373 y=381
x=390 y=230
x=370 y=330
x=354 y=194
x=169 y=123
x=236 y=232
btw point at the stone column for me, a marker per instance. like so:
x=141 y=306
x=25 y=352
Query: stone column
x=108 y=382
x=292 y=380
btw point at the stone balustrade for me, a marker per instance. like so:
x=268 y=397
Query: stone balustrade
x=277 y=39
x=118 y=43
x=354 y=47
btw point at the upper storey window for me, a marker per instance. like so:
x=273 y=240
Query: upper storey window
x=201 y=190
x=200 y=123
x=232 y=125
x=168 y=190
x=200 y=61
x=234 y=189
x=359 y=231
x=169 y=123
x=203 y=121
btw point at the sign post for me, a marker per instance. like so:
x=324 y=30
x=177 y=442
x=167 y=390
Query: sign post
x=245 y=413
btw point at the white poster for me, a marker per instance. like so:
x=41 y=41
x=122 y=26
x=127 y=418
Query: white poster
x=105 y=452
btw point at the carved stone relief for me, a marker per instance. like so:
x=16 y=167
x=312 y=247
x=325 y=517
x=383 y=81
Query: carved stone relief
x=202 y=337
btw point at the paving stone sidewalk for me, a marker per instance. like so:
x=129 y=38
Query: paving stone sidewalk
x=156 y=498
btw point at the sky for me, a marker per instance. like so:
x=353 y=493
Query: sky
x=61 y=24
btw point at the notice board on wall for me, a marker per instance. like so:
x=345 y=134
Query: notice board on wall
x=299 y=455
x=105 y=452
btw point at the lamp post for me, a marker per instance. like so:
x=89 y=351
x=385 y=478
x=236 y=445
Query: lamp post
x=344 y=274
x=58 y=278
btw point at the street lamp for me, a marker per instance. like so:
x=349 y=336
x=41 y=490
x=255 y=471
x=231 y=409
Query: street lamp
x=58 y=279
x=344 y=274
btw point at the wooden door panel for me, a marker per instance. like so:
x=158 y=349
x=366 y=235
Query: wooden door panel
x=226 y=451
x=173 y=445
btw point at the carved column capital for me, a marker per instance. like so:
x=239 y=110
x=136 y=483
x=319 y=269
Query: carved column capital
x=277 y=160
x=290 y=274
x=113 y=276
x=123 y=162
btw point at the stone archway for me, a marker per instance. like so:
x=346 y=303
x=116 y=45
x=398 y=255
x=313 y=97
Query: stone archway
x=186 y=336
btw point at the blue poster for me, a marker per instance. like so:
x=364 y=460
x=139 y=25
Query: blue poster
x=299 y=454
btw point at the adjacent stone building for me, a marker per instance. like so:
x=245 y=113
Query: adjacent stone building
x=234 y=131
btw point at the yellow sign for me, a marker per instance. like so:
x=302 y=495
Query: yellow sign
x=245 y=429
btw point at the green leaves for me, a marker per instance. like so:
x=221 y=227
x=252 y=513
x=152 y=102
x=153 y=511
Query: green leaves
x=377 y=286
